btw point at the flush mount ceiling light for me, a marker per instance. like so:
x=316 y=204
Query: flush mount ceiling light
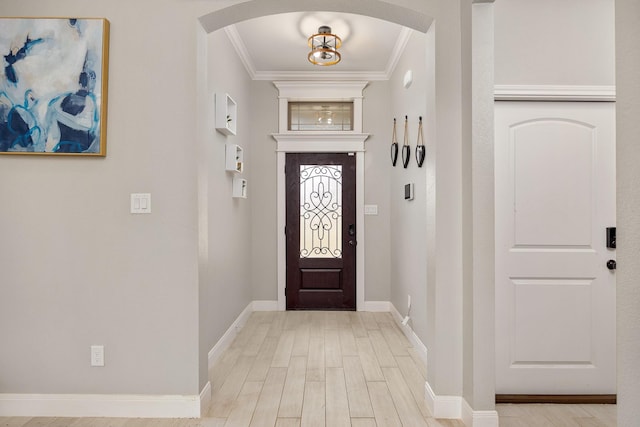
x=324 y=47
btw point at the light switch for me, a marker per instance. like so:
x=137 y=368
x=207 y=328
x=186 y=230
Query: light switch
x=371 y=209
x=140 y=203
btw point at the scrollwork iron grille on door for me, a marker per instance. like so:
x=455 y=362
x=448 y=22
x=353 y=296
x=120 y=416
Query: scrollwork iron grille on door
x=320 y=211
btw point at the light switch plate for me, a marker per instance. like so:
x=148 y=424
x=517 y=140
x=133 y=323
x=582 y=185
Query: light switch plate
x=97 y=355
x=140 y=203
x=371 y=209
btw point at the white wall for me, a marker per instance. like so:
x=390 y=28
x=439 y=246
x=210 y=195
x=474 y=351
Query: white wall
x=568 y=42
x=628 y=152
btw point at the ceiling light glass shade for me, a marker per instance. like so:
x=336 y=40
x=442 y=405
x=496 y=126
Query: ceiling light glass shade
x=324 y=47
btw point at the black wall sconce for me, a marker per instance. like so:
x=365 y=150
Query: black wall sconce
x=406 y=149
x=420 y=149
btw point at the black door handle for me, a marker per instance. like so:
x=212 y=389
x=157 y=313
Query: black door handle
x=611 y=264
x=353 y=242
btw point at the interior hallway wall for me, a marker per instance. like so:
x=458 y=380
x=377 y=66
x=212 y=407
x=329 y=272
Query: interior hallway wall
x=569 y=42
x=628 y=238
x=76 y=268
x=376 y=122
x=133 y=283
x=409 y=217
x=263 y=259
x=226 y=264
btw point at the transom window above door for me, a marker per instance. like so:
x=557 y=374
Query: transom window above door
x=320 y=116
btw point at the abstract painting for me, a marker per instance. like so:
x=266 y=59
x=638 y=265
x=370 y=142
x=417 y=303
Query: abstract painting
x=53 y=86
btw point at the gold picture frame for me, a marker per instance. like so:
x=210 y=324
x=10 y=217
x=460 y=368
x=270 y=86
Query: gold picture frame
x=53 y=86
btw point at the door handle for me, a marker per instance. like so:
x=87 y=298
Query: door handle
x=352 y=230
x=611 y=264
x=353 y=242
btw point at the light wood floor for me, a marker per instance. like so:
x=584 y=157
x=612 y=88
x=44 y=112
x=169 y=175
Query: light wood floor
x=321 y=369
x=534 y=415
x=331 y=369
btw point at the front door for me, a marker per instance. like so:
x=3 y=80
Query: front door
x=555 y=296
x=321 y=231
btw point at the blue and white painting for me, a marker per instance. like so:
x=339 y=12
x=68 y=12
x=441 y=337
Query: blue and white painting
x=53 y=85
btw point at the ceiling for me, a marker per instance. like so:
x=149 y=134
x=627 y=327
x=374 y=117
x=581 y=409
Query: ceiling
x=275 y=47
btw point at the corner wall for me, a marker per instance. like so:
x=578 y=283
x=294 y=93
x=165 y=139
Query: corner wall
x=628 y=173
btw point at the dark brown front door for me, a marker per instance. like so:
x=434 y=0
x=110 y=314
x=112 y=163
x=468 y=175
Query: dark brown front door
x=321 y=231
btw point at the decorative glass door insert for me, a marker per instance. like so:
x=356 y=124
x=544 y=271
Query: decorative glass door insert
x=320 y=211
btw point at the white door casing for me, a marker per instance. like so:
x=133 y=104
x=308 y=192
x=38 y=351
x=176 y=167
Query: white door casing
x=555 y=297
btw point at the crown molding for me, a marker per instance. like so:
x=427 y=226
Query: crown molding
x=241 y=50
x=320 y=75
x=324 y=75
x=555 y=93
x=398 y=50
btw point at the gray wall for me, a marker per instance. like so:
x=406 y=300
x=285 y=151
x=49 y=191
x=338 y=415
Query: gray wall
x=263 y=192
x=133 y=281
x=479 y=271
x=628 y=272
x=225 y=225
x=376 y=122
x=409 y=218
x=76 y=268
x=262 y=188
x=568 y=42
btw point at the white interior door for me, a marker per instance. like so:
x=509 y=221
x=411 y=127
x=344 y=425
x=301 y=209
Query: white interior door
x=555 y=297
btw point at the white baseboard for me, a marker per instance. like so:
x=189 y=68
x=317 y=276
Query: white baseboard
x=124 y=405
x=417 y=343
x=226 y=340
x=458 y=408
x=265 y=306
x=443 y=406
x=205 y=398
x=473 y=418
x=99 y=405
x=379 y=306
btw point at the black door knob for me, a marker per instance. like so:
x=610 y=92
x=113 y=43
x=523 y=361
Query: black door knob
x=611 y=264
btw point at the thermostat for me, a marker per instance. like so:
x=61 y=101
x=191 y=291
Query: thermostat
x=408 y=191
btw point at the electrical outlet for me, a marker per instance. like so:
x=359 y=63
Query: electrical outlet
x=409 y=302
x=97 y=355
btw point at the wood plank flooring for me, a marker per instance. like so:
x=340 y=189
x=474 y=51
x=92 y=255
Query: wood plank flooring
x=550 y=415
x=311 y=368
x=321 y=369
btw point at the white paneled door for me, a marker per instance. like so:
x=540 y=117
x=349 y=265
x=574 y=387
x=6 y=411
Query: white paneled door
x=555 y=296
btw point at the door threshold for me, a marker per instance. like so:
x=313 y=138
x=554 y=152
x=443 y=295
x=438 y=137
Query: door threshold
x=558 y=398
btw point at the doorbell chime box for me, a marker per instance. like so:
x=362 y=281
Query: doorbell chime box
x=408 y=191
